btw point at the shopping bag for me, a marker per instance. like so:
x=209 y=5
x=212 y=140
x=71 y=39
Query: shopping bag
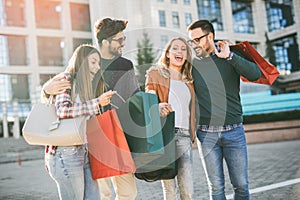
x=108 y=149
x=140 y=120
x=247 y=51
x=43 y=127
x=164 y=167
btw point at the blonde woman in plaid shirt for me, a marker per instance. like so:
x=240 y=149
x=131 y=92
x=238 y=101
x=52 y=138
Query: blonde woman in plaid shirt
x=69 y=166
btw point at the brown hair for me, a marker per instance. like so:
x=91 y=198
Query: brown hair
x=106 y=28
x=80 y=73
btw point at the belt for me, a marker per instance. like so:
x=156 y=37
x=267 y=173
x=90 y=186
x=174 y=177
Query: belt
x=218 y=129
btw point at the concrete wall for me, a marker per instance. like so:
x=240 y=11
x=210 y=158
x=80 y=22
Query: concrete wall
x=272 y=131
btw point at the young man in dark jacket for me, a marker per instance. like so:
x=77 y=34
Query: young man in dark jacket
x=118 y=73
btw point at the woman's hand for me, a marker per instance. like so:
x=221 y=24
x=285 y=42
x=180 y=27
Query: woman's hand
x=56 y=85
x=164 y=109
x=105 y=97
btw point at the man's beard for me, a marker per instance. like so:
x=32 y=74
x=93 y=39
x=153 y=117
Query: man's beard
x=115 y=52
x=202 y=53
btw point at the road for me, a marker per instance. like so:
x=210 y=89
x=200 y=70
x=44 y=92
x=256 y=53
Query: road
x=274 y=173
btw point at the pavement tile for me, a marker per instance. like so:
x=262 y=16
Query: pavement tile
x=269 y=163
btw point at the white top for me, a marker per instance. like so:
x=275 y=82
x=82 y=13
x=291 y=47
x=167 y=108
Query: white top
x=179 y=98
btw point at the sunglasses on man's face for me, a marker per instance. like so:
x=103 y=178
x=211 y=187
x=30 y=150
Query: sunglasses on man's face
x=120 y=40
x=196 y=40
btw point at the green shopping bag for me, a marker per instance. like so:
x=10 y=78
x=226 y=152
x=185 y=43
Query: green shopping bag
x=164 y=167
x=140 y=120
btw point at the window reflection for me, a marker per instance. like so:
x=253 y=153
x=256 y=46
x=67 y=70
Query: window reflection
x=50 y=51
x=188 y=19
x=175 y=19
x=287 y=54
x=13 y=50
x=162 y=18
x=80 y=16
x=211 y=10
x=280 y=14
x=12 y=13
x=242 y=17
x=48 y=14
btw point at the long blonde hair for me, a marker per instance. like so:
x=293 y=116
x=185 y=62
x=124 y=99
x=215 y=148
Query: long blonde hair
x=79 y=70
x=186 y=69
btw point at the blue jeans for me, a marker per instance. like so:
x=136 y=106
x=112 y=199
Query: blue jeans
x=230 y=145
x=70 y=169
x=185 y=169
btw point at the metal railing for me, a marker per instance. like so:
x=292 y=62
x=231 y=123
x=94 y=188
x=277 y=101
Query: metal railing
x=12 y=117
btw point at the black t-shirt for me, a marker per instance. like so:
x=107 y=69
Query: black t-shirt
x=119 y=75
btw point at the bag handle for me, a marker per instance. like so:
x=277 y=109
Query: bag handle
x=50 y=100
x=113 y=105
x=54 y=125
x=123 y=100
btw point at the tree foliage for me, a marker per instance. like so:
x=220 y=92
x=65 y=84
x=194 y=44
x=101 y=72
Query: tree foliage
x=145 y=58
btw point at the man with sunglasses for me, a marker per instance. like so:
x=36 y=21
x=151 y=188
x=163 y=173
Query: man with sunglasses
x=119 y=76
x=216 y=72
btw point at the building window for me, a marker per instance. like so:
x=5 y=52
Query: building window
x=48 y=14
x=4 y=60
x=287 y=54
x=162 y=18
x=175 y=19
x=188 y=19
x=12 y=13
x=50 y=51
x=280 y=14
x=80 y=17
x=174 y=1
x=5 y=87
x=211 y=10
x=79 y=41
x=45 y=77
x=160 y=0
x=164 y=39
x=13 y=50
x=14 y=87
x=20 y=87
x=242 y=17
x=187 y=2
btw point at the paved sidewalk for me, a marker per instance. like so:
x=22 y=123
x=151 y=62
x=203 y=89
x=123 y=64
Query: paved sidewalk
x=269 y=163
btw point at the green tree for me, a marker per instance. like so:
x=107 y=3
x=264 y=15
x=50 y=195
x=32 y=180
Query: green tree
x=145 y=58
x=270 y=52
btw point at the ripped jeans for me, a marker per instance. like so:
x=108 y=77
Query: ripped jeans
x=70 y=168
x=185 y=169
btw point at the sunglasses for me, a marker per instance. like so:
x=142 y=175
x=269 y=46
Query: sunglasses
x=120 y=40
x=196 y=40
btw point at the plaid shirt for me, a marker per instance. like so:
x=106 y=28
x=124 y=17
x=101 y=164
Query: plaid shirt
x=65 y=108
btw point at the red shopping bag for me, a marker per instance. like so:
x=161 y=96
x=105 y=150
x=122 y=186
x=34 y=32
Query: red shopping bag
x=247 y=51
x=108 y=149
